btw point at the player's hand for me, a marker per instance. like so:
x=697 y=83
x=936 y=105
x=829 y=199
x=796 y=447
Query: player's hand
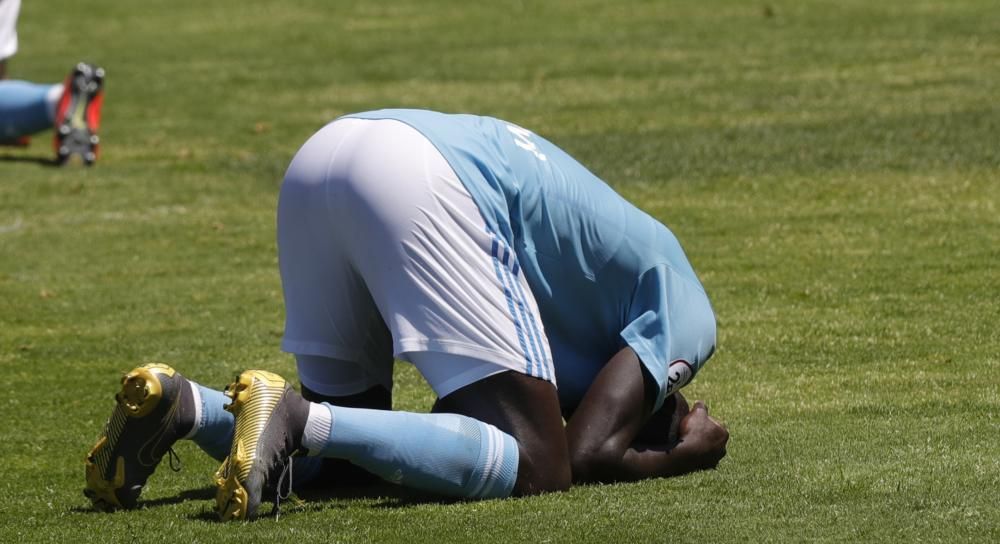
x=663 y=426
x=703 y=439
x=681 y=410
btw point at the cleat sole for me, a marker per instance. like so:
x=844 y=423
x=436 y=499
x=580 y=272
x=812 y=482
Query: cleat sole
x=141 y=392
x=230 y=498
x=78 y=114
x=255 y=395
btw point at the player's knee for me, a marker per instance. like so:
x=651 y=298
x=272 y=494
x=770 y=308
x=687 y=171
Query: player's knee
x=542 y=473
x=595 y=464
x=543 y=466
x=527 y=410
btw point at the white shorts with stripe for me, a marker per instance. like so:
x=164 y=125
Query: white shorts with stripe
x=383 y=253
x=8 y=27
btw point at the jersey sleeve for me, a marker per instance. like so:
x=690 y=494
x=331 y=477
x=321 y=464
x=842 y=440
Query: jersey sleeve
x=671 y=326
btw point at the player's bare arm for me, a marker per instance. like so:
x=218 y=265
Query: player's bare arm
x=609 y=435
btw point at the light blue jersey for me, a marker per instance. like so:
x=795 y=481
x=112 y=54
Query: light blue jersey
x=604 y=273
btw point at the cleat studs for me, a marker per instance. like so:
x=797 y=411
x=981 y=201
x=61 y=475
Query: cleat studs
x=64 y=129
x=134 y=393
x=140 y=393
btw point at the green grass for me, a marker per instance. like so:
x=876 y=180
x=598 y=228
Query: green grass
x=832 y=168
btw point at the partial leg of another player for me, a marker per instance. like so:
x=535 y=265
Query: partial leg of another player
x=27 y=108
x=78 y=114
x=72 y=108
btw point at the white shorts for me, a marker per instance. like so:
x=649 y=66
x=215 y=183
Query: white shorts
x=383 y=253
x=8 y=28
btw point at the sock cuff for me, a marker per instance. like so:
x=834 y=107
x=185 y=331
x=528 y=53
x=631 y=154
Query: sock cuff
x=318 y=427
x=52 y=98
x=497 y=466
x=196 y=395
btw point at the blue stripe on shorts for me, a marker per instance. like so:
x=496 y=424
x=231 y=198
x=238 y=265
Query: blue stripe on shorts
x=510 y=304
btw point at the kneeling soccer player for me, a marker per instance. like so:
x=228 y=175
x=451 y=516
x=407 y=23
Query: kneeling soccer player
x=498 y=266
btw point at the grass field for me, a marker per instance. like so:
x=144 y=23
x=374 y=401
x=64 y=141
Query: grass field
x=832 y=168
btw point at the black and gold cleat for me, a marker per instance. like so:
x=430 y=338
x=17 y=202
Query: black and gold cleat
x=270 y=419
x=154 y=409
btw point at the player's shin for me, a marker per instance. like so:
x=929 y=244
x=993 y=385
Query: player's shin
x=447 y=454
x=24 y=108
x=213 y=425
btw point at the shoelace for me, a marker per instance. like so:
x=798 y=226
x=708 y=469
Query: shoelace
x=172 y=458
x=278 y=497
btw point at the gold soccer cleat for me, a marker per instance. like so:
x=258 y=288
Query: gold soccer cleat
x=153 y=410
x=270 y=418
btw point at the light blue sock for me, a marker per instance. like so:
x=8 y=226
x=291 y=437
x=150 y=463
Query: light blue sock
x=24 y=109
x=214 y=426
x=444 y=453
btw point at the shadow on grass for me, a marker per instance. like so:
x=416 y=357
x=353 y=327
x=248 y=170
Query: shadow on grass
x=319 y=498
x=43 y=161
x=312 y=498
x=343 y=481
x=331 y=491
x=382 y=495
x=203 y=494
